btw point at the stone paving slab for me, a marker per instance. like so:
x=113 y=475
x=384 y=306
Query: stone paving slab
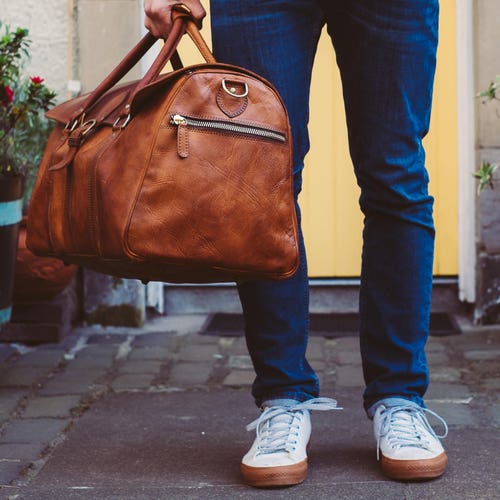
x=197 y=352
x=482 y=354
x=150 y=353
x=41 y=358
x=9 y=399
x=33 y=431
x=134 y=381
x=186 y=374
x=445 y=374
x=315 y=349
x=240 y=362
x=348 y=357
x=22 y=376
x=494 y=413
x=51 y=406
x=83 y=362
x=239 y=378
x=65 y=383
x=97 y=352
x=448 y=392
x=141 y=366
x=456 y=415
x=20 y=451
x=349 y=376
x=234 y=345
x=9 y=471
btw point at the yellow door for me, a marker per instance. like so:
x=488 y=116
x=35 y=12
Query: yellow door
x=332 y=221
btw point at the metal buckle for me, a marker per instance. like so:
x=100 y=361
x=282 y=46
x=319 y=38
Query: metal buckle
x=78 y=122
x=232 y=91
x=117 y=125
x=88 y=125
x=70 y=127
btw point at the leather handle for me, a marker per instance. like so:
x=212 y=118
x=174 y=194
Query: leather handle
x=199 y=41
x=182 y=22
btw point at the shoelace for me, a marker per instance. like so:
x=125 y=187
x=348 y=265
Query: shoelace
x=278 y=426
x=408 y=426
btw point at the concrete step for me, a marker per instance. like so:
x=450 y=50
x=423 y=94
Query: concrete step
x=327 y=296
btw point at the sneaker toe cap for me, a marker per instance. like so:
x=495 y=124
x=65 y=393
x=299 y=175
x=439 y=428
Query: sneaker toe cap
x=414 y=469
x=272 y=460
x=412 y=453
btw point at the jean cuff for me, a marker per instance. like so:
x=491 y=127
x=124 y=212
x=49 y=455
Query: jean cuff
x=392 y=401
x=283 y=402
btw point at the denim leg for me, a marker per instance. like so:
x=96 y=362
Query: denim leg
x=277 y=322
x=278 y=40
x=386 y=53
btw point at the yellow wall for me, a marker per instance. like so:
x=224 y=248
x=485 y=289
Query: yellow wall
x=332 y=220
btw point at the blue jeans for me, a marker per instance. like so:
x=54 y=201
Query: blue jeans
x=386 y=52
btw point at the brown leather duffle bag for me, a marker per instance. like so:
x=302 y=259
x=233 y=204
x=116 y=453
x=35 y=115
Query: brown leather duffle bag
x=180 y=177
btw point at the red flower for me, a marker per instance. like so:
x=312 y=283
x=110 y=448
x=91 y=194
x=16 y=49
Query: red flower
x=6 y=95
x=37 y=80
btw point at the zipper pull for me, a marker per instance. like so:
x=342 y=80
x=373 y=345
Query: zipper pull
x=182 y=135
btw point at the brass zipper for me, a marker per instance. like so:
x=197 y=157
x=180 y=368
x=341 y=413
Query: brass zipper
x=185 y=122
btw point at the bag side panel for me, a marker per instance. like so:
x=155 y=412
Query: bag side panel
x=38 y=227
x=229 y=204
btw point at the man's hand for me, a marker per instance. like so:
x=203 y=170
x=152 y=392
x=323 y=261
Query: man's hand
x=159 y=15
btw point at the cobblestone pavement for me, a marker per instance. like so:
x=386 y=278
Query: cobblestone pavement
x=45 y=391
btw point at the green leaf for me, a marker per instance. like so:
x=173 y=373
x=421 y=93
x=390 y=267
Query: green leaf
x=485 y=176
x=490 y=93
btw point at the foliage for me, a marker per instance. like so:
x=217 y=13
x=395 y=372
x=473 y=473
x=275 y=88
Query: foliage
x=23 y=128
x=485 y=172
x=490 y=93
x=485 y=175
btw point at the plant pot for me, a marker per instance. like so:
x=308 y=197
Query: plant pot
x=11 y=202
x=38 y=278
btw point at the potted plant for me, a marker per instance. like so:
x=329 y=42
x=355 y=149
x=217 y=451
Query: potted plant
x=23 y=133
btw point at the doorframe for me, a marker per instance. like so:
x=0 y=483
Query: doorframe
x=466 y=150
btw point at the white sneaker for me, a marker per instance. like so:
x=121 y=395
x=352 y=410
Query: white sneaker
x=278 y=455
x=407 y=446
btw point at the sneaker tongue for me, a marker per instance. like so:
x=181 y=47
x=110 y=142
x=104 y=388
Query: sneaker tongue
x=402 y=415
x=403 y=420
x=284 y=418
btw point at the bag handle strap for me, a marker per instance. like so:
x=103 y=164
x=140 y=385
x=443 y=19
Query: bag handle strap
x=182 y=22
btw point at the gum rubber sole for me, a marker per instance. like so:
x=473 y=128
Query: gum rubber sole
x=268 y=477
x=414 y=470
